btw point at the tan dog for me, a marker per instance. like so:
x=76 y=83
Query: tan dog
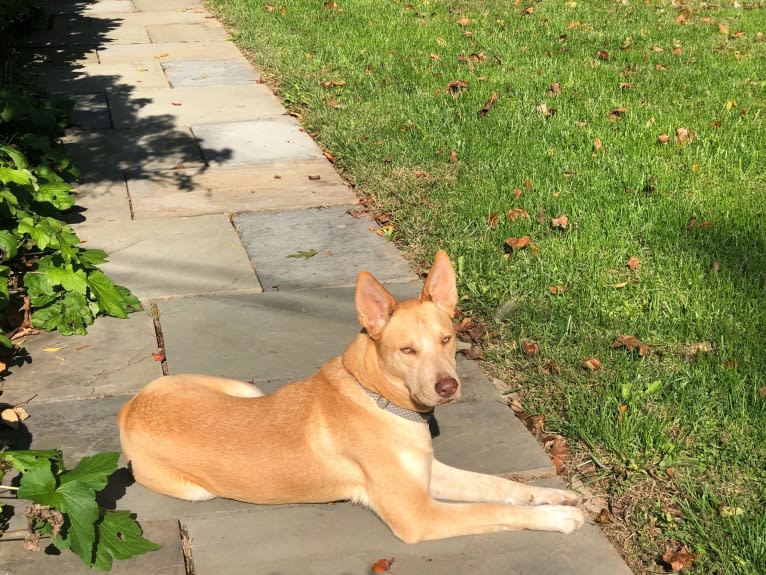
x=356 y=430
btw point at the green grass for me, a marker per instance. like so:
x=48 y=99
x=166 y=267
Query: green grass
x=393 y=125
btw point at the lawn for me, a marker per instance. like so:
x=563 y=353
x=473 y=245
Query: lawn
x=474 y=125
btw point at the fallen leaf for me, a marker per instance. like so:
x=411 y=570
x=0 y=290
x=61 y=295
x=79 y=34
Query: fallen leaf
x=625 y=85
x=330 y=5
x=597 y=144
x=333 y=103
x=602 y=517
x=678 y=560
x=557 y=289
x=304 y=254
x=592 y=364
x=560 y=223
x=314 y=178
x=492 y=220
x=617 y=286
x=330 y=156
x=463 y=21
x=176 y=103
x=517 y=193
x=52 y=349
x=21 y=413
x=602 y=55
x=515 y=213
x=535 y=424
x=488 y=104
x=541 y=216
x=622 y=410
x=617 y=113
x=684 y=136
x=472 y=353
x=551 y=367
x=633 y=263
x=529 y=10
x=529 y=348
x=680 y=19
x=357 y=212
x=456 y=87
x=470 y=331
x=382 y=565
x=728 y=511
x=528 y=184
x=723 y=29
x=663 y=139
x=559 y=452
x=631 y=343
x=3 y=367
x=518 y=243
x=453 y=156
x=555 y=89
x=158 y=356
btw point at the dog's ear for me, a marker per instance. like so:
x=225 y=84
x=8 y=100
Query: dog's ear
x=440 y=286
x=374 y=305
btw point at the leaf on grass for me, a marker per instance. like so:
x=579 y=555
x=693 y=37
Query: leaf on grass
x=602 y=55
x=488 y=104
x=631 y=343
x=663 y=139
x=559 y=452
x=453 y=156
x=518 y=243
x=492 y=220
x=603 y=517
x=597 y=144
x=617 y=285
x=517 y=193
x=680 y=559
x=383 y=565
x=119 y=537
x=463 y=21
x=304 y=254
x=684 y=136
x=633 y=263
x=592 y=364
x=456 y=87
x=728 y=511
x=557 y=289
x=621 y=411
x=435 y=57
x=515 y=213
x=625 y=85
x=554 y=89
x=529 y=348
x=561 y=222
x=617 y=113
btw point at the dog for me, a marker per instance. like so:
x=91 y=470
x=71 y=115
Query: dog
x=356 y=430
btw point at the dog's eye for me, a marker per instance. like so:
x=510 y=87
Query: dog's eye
x=407 y=350
x=446 y=339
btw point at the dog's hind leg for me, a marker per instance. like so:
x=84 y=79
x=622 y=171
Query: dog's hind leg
x=168 y=482
x=455 y=484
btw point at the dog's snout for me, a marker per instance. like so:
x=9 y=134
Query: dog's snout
x=446 y=386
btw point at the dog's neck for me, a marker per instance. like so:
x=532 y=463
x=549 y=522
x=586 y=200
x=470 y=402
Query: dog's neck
x=361 y=360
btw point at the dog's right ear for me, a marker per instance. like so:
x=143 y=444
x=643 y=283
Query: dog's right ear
x=374 y=305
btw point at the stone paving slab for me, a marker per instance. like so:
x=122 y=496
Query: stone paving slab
x=115 y=357
x=91 y=32
x=208 y=30
x=168 y=52
x=101 y=153
x=174 y=257
x=194 y=106
x=257 y=140
x=58 y=56
x=176 y=5
x=242 y=188
x=344 y=245
x=168 y=560
x=195 y=73
x=91 y=78
x=100 y=200
x=91 y=111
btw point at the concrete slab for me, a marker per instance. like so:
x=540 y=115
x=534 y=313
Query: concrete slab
x=90 y=78
x=109 y=6
x=344 y=245
x=168 y=560
x=209 y=30
x=197 y=73
x=93 y=32
x=275 y=186
x=58 y=55
x=257 y=141
x=101 y=153
x=114 y=358
x=194 y=106
x=100 y=200
x=168 y=52
x=91 y=111
x=166 y=5
x=174 y=257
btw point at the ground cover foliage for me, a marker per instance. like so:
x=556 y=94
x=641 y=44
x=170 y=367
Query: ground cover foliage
x=635 y=323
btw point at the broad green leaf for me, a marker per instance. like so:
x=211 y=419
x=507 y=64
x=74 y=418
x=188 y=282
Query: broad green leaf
x=69 y=279
x=94 y=470
x=25 y=460
x=8 y=244
x=58 y=194
x=109 y=298
x=21 y=177
x=5 y=341
x=18 y=158
x=92 y=257
x=119 y=537
x=653 y=387
x=625 y=390
x=78 y=502
x=38 y=484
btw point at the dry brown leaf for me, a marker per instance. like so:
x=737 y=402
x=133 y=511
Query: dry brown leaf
x=330 y=5
x=557 y=289
x=3 y=367
x=663 y=139
x=555 y=89
x=592 y=364
x=678 y=560
x=559 y=452
x=453 y=156
x=617 y=113
x=633 y=263
x=684 y=136
x=492 y=220
x=517 y=193
x=10 y=417
x=621 y=411
x=625 y=85
x=21 y=413
x=631 y=343
x=723 y=29
x=762 y=391
x=529 y=348
x=488 y=104
x=515 y=213
x=158 y=356
x=435 y=57
x=463 y=21
x=602 y=55
x=560 y=223
x=529 y=10
x=330 y=156
x=456 y=87
x=382 y=565
x=528 y=183
x=602 y=517
x=421 y=174
x=518 y=243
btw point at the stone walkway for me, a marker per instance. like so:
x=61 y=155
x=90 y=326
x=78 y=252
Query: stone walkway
x=199 y=186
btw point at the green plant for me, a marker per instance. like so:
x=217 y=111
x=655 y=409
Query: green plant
x=66 y=509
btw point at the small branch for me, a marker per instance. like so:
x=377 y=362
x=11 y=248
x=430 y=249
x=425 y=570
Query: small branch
x=17 y=535
x=23 y=403
x=9 y=487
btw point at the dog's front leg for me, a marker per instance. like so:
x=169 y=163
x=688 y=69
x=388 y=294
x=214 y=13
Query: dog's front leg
x=458 y=485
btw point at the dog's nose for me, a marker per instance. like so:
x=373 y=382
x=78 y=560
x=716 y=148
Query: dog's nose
x=446 y=386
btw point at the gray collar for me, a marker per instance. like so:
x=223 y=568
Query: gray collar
x=383 y=403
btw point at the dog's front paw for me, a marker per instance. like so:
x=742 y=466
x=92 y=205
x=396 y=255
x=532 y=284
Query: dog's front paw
x=549 y=496
x=561 y=518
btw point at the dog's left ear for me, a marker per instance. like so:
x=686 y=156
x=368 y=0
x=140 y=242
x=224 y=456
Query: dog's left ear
x=440 y=287
x=374 y=305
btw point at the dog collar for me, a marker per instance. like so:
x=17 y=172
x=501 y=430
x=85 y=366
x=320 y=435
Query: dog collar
x=410 y=414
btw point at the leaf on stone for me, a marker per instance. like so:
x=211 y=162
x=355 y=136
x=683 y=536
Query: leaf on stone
x=119 y=537
x=633 y=263
x=560 y=223
x=592 y=364
x=517 y=244
x=382 y=565
x=308 y=254
x=631 y=343
x=94 y=470
x=515 y=213
x=680 y=559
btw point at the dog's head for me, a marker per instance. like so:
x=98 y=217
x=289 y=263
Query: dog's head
x=415 y=339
